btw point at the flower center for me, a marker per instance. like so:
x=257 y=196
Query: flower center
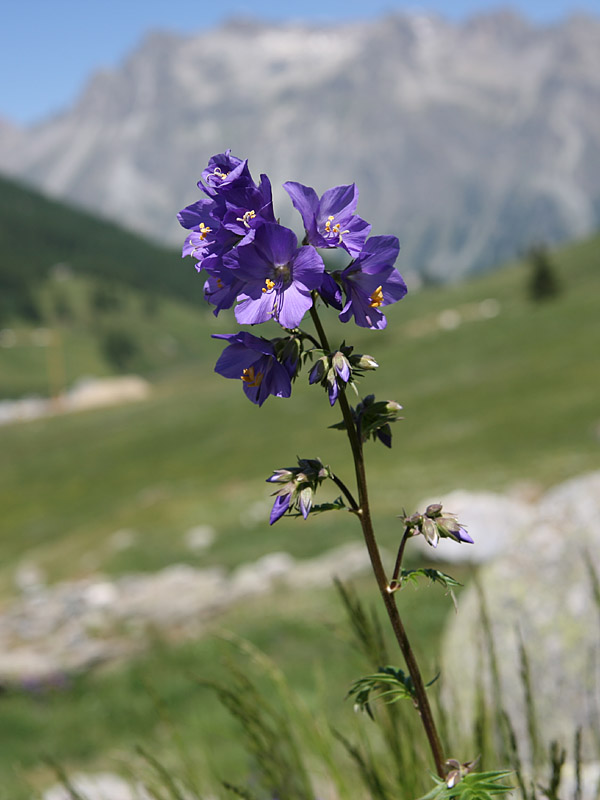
x=248 y=215
x=219 y=283
x=218 y=173
x=251 y=378
x=281 y=272
x=269 y=285
x=376 y=298
x=203 y=230
x=334 y=230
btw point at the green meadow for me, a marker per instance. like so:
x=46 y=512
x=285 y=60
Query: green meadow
x=503 y=394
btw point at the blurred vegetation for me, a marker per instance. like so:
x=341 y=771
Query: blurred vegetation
x=543 y=283
x=496 y=392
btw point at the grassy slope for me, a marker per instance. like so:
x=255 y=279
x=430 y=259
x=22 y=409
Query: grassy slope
x=493 y=402
x=488 y=404
x=38 y=232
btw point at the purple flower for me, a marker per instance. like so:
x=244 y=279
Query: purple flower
x=330 y=371
x=331 y=220
x=277 y=276
x=297 y=486
x=248 y=207
x=435 y=524
x=207 y=239
x=221 y=288
x=224 y=172
x=371 y=281
x=252 y=360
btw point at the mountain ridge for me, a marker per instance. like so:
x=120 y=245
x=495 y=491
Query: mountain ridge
x=470 y=141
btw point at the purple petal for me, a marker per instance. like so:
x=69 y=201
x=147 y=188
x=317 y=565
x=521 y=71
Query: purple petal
x=338 y=199
x=330 y=291
x=378 y=253
x=354 y=240
x=254 y=310
x=308 y=267
x=292 y=305
x=280 y=506
x=276 y=381
x=305 y=201
x=234 y=360
x=275 y=243
x=198 y=212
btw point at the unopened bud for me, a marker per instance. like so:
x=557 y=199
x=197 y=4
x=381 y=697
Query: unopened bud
x=433 y=510
x=280 y=476
x=305 y=501
x=430 y=531
x=317 y=373
x=392 y=407
x=341 y=365
x=414 y=521
x=366 y=362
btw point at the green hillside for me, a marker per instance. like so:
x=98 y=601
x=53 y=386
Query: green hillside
x=494 y=401
x=37 y=233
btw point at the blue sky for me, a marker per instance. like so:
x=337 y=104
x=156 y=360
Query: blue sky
x=49 y=48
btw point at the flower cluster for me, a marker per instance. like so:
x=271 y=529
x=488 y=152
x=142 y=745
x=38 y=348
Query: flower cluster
x=252 y=261
x=334 y=370
x=435 y=525
x=297 y=486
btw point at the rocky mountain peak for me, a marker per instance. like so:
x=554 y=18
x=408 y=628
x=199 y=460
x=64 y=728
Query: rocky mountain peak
x=468 y=141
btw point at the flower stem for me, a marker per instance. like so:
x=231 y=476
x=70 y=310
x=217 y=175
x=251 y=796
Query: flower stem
x=399 y=558
x=346 y=491
x=364 y=514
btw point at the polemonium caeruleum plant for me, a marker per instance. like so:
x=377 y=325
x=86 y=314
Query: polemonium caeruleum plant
x=252 y=261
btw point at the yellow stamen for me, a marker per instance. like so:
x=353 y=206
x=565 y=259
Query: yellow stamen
x=248 y=215
x=219 y=283
x=204 y=231
x=252 y=378
x=219 y=173
x=376 y=298
x=335 y=229
x=270 y=285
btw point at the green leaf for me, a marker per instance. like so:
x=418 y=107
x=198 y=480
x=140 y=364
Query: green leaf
x=473 y=786
x=337 y=505
x=434 y=575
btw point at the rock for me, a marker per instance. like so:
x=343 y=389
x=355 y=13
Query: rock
x=122 y=539
x=101 y=786
x=538 y=590
x=260 y=576
x=29 y=578
x=199 y=538
x=342 y=562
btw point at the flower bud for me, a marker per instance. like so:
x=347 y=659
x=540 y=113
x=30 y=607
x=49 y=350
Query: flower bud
x=365 y=362
x=392 y=407
x=281 y=476
x=433 y=510
x=341 y=365
x=317 y=373
x=305 y=501
x=430 y=531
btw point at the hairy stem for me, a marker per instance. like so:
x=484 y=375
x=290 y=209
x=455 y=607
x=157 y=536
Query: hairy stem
x=364 y=514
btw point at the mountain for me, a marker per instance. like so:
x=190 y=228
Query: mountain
x=469 y=141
